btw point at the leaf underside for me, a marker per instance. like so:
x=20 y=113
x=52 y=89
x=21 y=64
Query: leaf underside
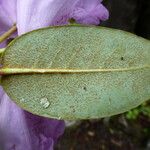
x=84 y=94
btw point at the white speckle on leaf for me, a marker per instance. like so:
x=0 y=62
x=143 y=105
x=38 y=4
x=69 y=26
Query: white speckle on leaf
x=44 y=102
x=22 y=100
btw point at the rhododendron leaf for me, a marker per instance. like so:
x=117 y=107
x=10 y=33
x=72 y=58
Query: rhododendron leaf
x=77 y=72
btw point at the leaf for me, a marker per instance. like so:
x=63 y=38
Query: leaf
x=77 y=72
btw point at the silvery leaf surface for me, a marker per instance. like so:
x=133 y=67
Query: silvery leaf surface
x=77 y=72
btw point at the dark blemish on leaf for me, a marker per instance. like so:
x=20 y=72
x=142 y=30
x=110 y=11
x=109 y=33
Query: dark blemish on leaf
x=73 y=110
x=122 y=58
x=84 y=88
x=109 y=100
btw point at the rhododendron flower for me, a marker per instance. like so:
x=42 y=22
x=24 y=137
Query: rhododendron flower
x=20 y=130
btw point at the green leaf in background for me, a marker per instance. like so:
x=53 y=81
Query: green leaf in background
x=77 y=72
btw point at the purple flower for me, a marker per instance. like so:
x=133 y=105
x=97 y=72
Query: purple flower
x=34 y=14
x=20 y=130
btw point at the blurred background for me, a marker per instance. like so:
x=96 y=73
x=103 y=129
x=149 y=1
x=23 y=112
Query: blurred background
x=128 y=131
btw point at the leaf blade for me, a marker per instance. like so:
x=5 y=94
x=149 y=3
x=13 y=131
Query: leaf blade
x=99 y=94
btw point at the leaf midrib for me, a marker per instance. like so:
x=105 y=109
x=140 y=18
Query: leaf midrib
x=5 y=71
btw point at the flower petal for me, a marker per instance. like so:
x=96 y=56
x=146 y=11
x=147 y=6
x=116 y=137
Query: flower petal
x=89 y=12
x=3 y=44
x=7 y=14
x=37 y=14
x=22 y=130
x=7 y=17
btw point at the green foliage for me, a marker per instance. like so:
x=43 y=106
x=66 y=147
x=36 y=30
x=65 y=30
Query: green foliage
x=142 y=109
x=77 y=72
